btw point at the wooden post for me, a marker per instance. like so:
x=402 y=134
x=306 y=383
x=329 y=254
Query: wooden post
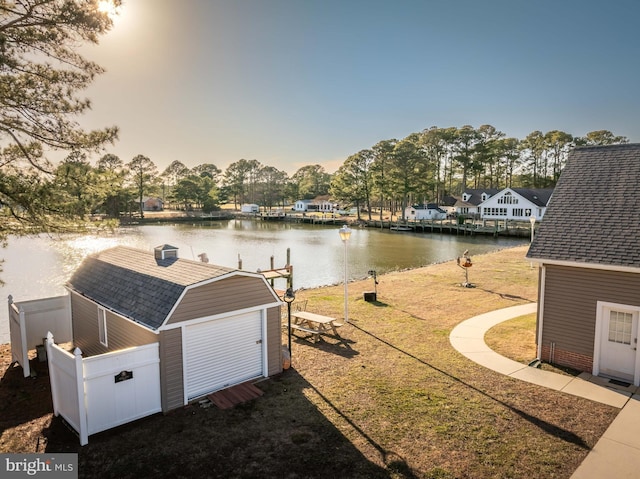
x=272 y=268
x=290 y=278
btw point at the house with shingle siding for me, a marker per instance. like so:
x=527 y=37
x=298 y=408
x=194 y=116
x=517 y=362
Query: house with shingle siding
x=588 y=249
x=215 y=326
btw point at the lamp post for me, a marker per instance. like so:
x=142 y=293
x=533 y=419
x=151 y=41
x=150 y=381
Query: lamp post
x=345 y=234
x=289 y=297
x=532 y=220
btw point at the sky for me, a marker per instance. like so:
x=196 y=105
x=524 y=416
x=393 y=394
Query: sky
x=297 y=82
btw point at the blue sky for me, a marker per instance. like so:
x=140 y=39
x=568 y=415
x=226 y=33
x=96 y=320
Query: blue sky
x=297 y=82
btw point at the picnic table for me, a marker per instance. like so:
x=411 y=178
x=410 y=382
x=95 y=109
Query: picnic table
x=314 y=324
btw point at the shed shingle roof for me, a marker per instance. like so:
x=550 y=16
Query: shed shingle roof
x=594 y=214
x=134 y=284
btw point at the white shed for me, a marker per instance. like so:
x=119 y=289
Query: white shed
x=429 y=211
x=250 y=208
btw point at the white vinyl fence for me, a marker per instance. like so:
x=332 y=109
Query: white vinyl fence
x=29 y=322
x=100 y=392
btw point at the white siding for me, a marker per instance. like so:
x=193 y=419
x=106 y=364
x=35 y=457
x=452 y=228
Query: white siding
x=508 y=205
x=111 y=403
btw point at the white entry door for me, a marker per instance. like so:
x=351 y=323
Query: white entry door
x=618 y=342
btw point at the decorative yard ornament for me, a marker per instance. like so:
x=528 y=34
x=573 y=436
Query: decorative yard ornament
x=465 y=263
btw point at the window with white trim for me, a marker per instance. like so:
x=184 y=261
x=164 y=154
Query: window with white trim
x=507 y=199
x=102 y=326
x=495 y=211
x=620 y=327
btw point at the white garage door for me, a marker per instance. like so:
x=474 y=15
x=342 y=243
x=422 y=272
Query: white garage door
x=223 y=352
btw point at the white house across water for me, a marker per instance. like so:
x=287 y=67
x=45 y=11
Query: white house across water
x=515 y=204
x=429 y=211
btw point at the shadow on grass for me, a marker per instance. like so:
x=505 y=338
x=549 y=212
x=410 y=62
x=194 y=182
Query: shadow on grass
x=545 y=426
x=22 y=401
x=379 y=304
x=510 y=297
x=336 y=345
x=393 y=461
x=281 y=434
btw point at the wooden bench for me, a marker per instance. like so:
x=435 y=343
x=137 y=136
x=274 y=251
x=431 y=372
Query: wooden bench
x=305 y=329
x=326 y=324
x=314 y=332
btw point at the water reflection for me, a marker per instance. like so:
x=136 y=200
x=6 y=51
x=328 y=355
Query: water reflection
x=37 y=267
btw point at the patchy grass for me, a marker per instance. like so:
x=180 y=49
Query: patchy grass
x=515 y=339
x=392 y=399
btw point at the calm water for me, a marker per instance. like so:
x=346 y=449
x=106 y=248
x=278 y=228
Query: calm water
x=38 y=267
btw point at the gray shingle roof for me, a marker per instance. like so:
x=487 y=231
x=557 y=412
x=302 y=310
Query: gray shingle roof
x=134 y=284
x=476 y=195
x=539 y=197
x=594 y=214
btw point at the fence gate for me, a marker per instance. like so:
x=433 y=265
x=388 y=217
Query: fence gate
x=100 y=392
x=30 y=321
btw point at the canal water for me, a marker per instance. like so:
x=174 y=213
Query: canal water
x=37 y=267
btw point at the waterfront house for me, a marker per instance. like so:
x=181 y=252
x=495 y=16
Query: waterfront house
x=469 y=203
x=152 y=204
x=430 y=211
x=250 y=208
x=319 y=204
x=588 y=249
x=516 y=204
x=448 y=204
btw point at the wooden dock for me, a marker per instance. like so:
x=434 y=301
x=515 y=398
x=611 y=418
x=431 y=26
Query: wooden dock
x=468 y=228
x=511 y=228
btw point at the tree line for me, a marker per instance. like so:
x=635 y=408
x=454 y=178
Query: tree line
x=423 y=167
x=438 y=162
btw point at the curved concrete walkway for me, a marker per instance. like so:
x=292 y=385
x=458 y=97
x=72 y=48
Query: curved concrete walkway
x=617 y=453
